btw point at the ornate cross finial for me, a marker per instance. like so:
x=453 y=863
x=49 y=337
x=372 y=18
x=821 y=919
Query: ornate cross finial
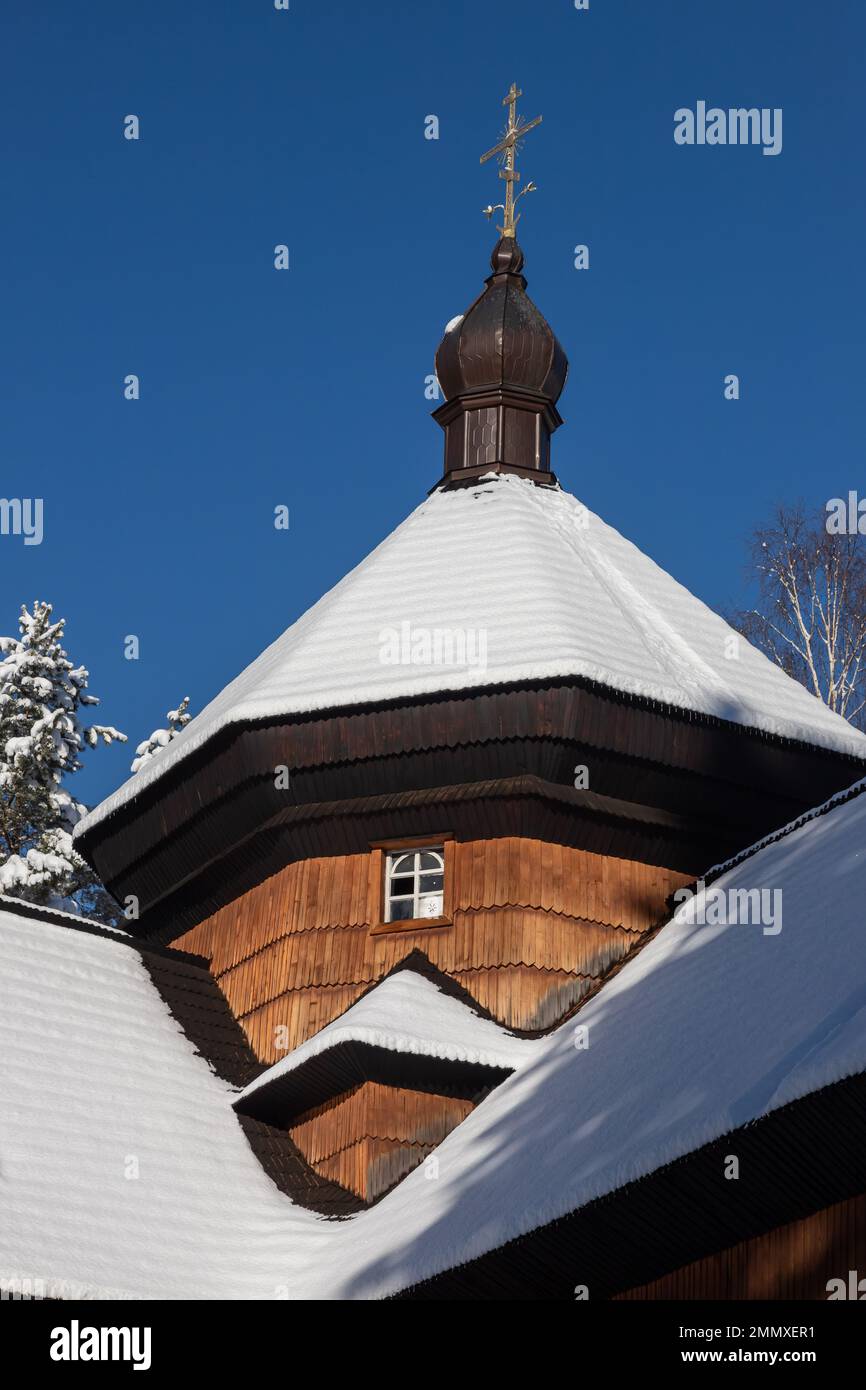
x=506 y=150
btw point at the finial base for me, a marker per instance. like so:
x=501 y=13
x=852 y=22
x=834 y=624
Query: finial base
x=470 y=476
x=506 y=257
x=506 y=431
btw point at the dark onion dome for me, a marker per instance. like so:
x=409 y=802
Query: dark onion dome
x=501 y=369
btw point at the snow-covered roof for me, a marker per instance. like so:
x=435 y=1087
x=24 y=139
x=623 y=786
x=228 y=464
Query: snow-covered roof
x=408 y=1013
x=707 y=1028
x=119 y=1151
x=531 y=586
x=55 y=914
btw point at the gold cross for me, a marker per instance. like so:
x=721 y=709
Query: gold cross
x=507 y=150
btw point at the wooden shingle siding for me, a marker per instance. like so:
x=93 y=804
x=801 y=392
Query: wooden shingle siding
x=372 y=1166
x=294 y=1015
x=369 y=1138
x=524 y=998
x=520 y=806
x=795 y=1261
x=744 y=784
x=535 y=926
x=570 y=711
x=373 y=1111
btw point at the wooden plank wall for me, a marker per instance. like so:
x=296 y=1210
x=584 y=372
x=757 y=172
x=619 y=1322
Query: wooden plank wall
x=370 y=1137
x=795 y=1261
x=535 y=926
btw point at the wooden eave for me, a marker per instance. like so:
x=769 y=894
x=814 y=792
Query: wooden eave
x=794 y=1161
x=519 y=806
x=731 y=785
x=346 y=1065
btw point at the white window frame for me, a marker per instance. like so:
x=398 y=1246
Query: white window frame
x=418 y=875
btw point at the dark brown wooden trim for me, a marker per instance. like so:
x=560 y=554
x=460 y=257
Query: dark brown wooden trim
x=521 y=806
x=468 y=477
x=382 y=928
x=348 y=1064
x=672 y=758
x=436 y=837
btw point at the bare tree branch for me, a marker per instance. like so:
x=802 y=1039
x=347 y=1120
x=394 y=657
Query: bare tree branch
x=810 y=616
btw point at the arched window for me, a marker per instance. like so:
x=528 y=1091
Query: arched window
x=414 y=884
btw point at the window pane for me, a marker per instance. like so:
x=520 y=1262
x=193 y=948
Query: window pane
x=401 y=886
x=430 y=883
x=402 y=910
x=430 y=906
x=430 y=860
x=402 y=863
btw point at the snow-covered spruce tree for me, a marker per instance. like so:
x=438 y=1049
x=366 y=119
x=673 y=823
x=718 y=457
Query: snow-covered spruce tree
x=42 y=738
x=161 y=738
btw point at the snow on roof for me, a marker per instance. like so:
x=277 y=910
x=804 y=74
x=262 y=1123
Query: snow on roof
x=530 y=585
x=53 y=913
x=706 y=1029
x=120 y=1154
x=408 y=1013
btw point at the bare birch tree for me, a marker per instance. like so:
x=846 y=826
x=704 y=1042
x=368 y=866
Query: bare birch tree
x=810 y=615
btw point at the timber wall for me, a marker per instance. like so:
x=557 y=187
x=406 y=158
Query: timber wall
x=794 y=1261
x=371 y=1137
x=534 y=927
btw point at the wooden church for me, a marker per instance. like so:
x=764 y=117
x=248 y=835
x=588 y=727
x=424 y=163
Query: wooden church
x=485 y=760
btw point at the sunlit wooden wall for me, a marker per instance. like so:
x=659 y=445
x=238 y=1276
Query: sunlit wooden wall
x=371 y=1137
x=535 y=926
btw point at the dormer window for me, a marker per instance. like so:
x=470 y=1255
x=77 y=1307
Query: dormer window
x=415 y=884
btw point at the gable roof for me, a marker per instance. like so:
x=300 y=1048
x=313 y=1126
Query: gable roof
x=540 y=588
x=409 y=1013
x=407 y=1017
x=707 y=1029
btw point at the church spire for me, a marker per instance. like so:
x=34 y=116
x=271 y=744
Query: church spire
x=500 y=366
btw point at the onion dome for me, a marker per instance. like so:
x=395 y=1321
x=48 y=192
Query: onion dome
x=501 y=370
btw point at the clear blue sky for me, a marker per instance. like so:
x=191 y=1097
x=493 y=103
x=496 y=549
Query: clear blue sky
x=306 y=387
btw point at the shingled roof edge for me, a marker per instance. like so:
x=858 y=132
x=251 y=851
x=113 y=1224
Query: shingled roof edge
x=202 y=753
